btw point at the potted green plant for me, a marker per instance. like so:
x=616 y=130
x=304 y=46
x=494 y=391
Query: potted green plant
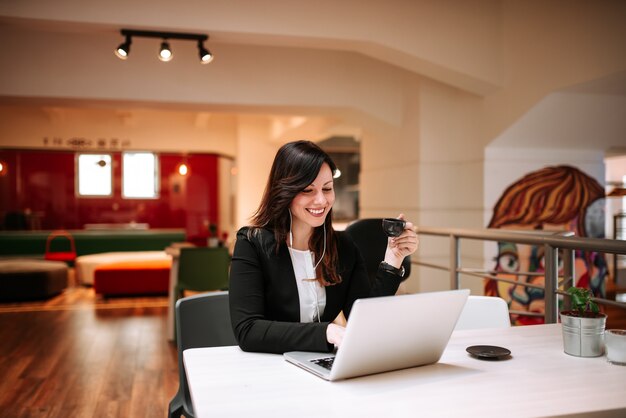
x=583 y=325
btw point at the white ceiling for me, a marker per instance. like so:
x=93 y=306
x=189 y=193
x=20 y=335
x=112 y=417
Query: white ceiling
x=591 y=115
x=611 y=85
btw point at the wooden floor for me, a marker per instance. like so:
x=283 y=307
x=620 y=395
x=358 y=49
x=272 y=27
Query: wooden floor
x=79 y=356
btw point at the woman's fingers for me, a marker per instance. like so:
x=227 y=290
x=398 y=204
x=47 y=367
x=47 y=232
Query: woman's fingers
x=406 y=243
x=334 y=334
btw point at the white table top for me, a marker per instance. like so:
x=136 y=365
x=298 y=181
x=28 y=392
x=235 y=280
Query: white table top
x=538 y=380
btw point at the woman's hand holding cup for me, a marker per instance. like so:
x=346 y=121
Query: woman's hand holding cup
x=402 y=239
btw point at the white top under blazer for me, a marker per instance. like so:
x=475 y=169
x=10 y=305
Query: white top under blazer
x=311 y=293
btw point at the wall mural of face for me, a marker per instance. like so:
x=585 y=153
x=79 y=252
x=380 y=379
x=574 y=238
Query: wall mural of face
x=553 y=199
x=590 y=271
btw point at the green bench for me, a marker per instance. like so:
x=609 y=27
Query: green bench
x=33 y=243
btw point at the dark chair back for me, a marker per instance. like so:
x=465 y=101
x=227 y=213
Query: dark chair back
x=369 y=237
x=201 y=321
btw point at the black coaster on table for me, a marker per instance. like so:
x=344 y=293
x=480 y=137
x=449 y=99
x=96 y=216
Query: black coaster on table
x=489 y=352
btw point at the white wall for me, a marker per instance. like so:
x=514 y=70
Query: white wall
x=430 y=170
x=581 y=120
x=137 y=129
x=450 y=178
x=253 y=164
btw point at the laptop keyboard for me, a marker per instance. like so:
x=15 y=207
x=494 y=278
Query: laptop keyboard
x=326 y=362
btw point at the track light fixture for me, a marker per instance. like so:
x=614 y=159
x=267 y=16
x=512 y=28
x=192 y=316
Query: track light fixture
x=165 y=52
x=124 y=48
x=205 y=55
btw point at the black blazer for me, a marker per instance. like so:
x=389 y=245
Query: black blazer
x=264 y=303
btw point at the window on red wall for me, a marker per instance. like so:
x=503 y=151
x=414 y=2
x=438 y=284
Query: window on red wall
x=140 y=175
x=94 y=175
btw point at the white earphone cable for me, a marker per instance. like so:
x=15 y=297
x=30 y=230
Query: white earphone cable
x=291 y=240
x=314 y=282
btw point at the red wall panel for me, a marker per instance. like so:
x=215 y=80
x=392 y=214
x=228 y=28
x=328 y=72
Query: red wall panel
x=42 y=185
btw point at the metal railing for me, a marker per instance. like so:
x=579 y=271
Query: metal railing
x=552 y=243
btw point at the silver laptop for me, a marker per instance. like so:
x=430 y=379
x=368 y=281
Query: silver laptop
x=389 y=333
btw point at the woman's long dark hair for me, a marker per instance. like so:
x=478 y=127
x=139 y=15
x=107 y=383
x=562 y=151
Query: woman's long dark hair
x=295 y=167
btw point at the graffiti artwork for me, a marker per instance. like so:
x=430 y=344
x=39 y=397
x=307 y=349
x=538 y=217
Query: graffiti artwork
x=560 y=198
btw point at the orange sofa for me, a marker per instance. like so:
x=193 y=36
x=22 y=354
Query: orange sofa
x=145 y=277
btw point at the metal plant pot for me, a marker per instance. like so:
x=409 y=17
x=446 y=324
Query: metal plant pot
x=583 y=337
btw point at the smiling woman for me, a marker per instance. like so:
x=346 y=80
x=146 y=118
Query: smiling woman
x=292 y=274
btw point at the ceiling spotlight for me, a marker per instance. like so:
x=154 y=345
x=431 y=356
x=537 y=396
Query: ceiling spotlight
x=205 y=55
x=165 y=53
x=124 y=48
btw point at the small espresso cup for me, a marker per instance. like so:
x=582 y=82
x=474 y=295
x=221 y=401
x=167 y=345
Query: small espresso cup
x=393 y=227
x=615 y=343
